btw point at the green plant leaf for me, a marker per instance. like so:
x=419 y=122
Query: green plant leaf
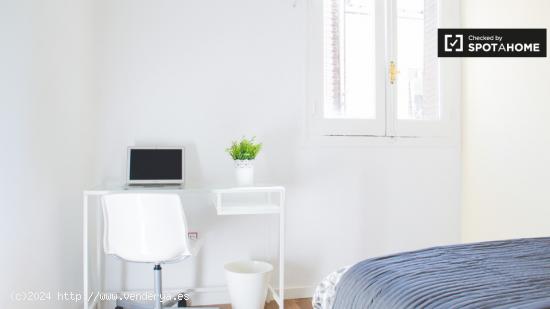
x=245 y=149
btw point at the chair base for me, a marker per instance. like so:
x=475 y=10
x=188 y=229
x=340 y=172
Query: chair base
x=178 y=302
x=128 y=304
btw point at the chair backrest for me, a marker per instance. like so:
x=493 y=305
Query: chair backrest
x=145 y=227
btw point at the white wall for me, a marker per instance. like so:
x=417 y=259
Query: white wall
x=45 y=129
x=506 y=132
x=203 y=73
x=198 y=74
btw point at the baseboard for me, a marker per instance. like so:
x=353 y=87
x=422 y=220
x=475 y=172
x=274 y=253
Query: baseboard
x=299 y=292
x=219 y=294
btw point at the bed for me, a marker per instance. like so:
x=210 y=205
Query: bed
x=497 y=274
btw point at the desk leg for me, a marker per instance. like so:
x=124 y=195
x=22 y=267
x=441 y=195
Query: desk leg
x=85 y=249
x=99 y=253
x=282 y=253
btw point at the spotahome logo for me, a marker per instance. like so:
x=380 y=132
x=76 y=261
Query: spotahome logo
x=454 y=42
x=491 y=42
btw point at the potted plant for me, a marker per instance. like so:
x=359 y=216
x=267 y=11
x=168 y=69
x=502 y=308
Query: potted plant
x=244 y=152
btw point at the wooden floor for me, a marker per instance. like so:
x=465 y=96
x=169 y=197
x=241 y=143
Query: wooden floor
x=300 y=303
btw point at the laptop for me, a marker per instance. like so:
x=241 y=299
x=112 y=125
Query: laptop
x=156 y=166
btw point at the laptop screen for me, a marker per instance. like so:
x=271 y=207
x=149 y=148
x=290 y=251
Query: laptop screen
x=156 y=165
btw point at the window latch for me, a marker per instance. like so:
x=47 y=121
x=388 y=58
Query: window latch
x=393 y=72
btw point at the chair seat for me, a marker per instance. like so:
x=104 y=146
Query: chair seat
x=194 y=248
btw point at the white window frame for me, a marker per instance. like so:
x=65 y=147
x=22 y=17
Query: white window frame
x=386 y=124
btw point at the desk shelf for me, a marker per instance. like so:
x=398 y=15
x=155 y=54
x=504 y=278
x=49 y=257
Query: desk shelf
x=262 y=209
x=249 y=200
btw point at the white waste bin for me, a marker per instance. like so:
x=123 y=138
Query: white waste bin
x=247 y=283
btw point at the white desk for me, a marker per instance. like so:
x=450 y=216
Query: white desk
x=223 y=207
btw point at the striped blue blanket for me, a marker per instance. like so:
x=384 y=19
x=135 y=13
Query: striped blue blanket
x=497 y=274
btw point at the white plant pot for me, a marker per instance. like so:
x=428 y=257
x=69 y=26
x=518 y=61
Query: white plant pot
x=244 y=172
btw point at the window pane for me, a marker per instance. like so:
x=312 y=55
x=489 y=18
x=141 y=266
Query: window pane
x=417 y=84
x=351 y=83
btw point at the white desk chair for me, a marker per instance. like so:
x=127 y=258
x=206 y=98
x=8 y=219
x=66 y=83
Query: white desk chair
x=146 y=228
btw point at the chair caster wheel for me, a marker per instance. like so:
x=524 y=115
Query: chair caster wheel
x=182 y=303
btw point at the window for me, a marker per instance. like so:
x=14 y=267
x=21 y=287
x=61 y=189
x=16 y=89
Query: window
x=380 y=71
